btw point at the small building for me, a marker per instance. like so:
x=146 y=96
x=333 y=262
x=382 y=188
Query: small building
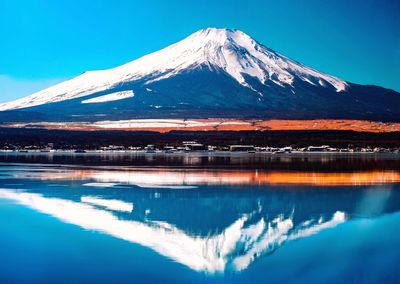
x=196 y=147
x=150 y=148
x=189 y=142
x=169 y=149
x=241 y=148
x=113 y=148
x=211 y=148
x=322 y=148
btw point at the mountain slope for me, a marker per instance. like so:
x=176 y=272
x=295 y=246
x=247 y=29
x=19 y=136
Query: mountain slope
x=212 y=73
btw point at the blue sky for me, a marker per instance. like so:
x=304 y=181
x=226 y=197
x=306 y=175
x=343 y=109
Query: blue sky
x=44 y=42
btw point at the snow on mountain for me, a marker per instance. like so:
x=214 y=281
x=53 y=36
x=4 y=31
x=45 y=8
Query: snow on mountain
x=230 y=50
x=164 y=123
x=110 y=97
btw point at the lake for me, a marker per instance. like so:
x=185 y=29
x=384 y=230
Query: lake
x=195 y=218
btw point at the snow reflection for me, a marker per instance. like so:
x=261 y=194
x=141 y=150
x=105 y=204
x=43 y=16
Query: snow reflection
x=233 y=249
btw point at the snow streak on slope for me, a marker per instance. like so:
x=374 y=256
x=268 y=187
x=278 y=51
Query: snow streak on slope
x=110 y=204
x=110 y=97
x=230 y=50
x=163 y=123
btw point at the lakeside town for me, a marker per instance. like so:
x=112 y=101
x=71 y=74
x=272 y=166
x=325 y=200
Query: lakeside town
x=193 y=146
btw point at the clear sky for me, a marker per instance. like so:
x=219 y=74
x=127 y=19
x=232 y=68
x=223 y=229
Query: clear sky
x=43 y=42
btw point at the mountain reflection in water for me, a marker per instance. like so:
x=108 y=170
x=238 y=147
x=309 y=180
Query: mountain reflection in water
x=192 y=216
x=236 y=247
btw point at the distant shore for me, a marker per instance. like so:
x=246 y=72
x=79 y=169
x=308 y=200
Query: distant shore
x=23 y=138
x=202 y=160
x=194 y=153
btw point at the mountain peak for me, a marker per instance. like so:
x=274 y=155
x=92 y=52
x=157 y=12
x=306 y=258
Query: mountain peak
x=218 y=37
x=239 y=55
x=216 y=33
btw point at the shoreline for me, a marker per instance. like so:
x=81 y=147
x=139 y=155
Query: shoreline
x=199 y=153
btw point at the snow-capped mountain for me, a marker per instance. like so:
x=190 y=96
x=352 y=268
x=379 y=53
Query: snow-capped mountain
x=211 y=73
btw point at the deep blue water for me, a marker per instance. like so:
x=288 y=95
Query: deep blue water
x=88 y=224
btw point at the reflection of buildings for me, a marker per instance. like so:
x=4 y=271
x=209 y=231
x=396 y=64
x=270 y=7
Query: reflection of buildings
x=235 y=248
x=164 y=177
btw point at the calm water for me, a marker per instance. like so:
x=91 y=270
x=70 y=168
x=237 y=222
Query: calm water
x=307 y=219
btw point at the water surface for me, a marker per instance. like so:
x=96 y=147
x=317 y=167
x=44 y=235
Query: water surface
x=266 y=221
